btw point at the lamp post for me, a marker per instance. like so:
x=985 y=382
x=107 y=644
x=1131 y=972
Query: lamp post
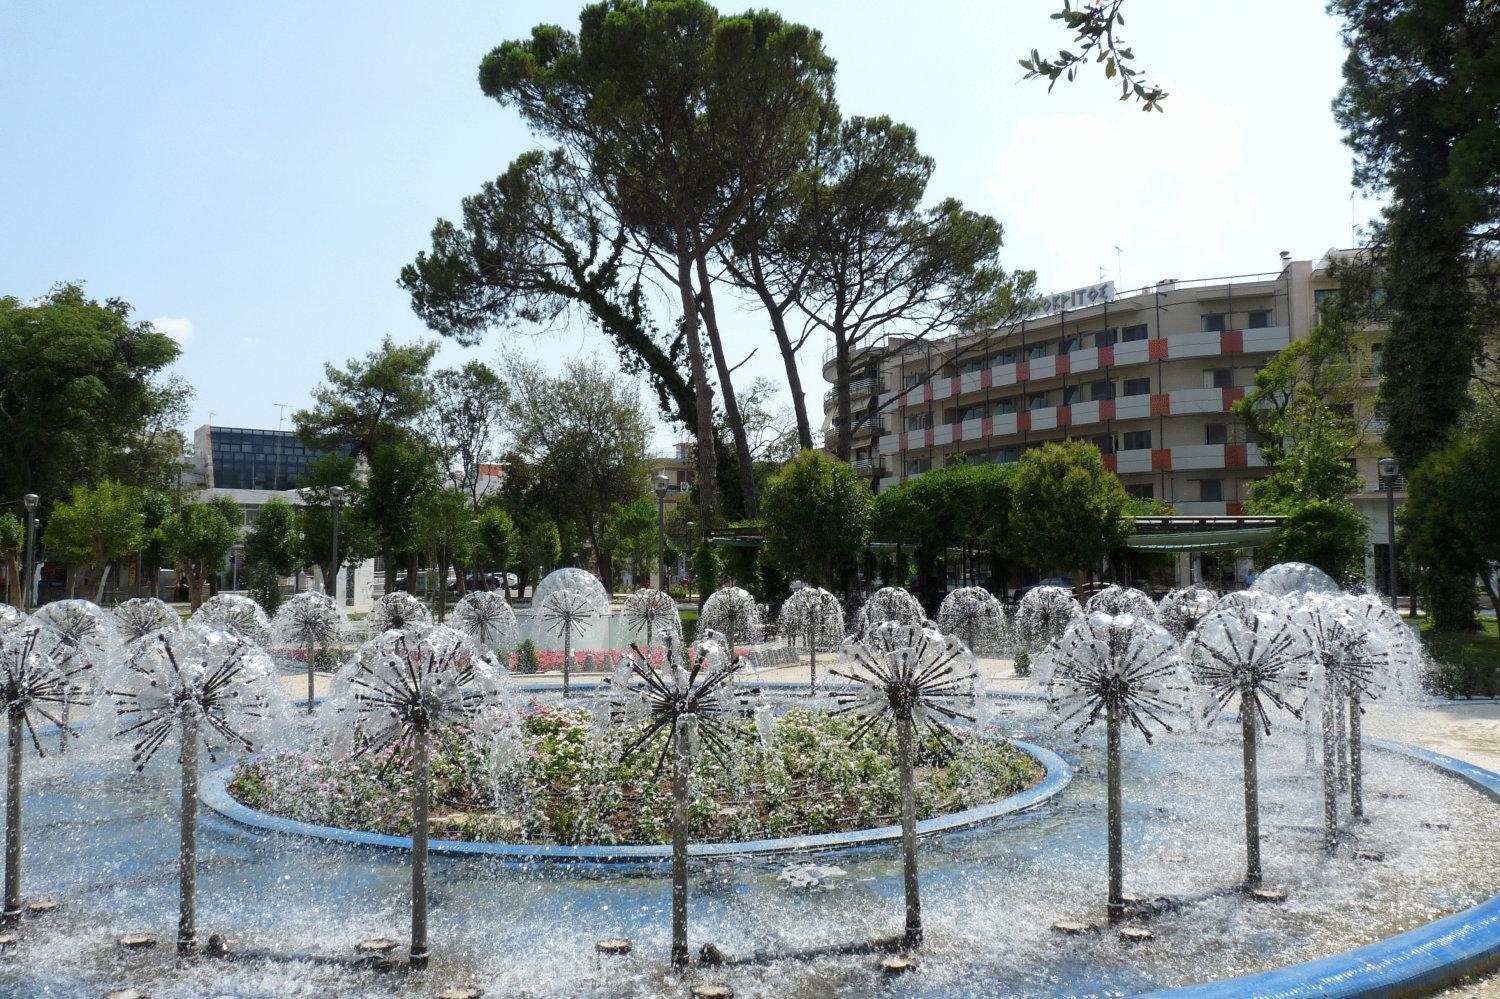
x=1389 y=469
x=661 y=530
x=692 y=546
x=28 y=587
x=335 y=498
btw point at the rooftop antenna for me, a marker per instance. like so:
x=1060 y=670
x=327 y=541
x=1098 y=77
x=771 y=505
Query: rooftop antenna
x=1119 y=271
x=280 y=444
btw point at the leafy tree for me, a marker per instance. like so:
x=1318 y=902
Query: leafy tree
x=1068 y=511
x=1419 y=107
x=538 y=549
x=1093 y=26
x=681 y=117
x=586 y=432
x=816 y=517
x=315 y=541
x=631 y=532
x=271 y=550
x=707 y=567
x=445 y=522
x=197 y=538
x=156 y=507
x=12 y=544
x=462 y=423
x=882 y=262
x=78 y=387
x=93 y=529
x=498 y=542
x=400 y=476
x=370 y=401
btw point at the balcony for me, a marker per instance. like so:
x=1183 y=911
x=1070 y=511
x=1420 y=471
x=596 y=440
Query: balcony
x=870 y=466
x=857 y=388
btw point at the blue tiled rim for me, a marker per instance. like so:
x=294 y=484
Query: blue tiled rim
x=1413 y=963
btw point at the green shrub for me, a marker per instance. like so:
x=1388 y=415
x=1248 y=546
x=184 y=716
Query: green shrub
x=526 y=660
x=1023 y=662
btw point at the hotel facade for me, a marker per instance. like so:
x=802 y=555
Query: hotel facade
x=1150 y=376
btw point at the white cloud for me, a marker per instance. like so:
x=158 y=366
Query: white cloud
x=176 y=327
x=1166 y=188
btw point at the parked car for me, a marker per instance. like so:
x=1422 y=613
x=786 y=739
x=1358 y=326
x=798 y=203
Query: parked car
x=475 y=582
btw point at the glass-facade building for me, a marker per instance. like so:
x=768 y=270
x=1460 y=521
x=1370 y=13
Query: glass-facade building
x=259 y=459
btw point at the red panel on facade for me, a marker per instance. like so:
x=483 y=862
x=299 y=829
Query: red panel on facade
x=1161 y=459
x=1110 y=462
x=1106 y=356
x=953 y=385
x=958 y=432
x=1161 y=404
x=1232 y=396
x=927 y=392
x=1231 y=342
x=1234 y=456
x=927 y=435
x=1234 y=508
x=1023 y=422
x=1157 y=350
x=1107 y=409
x=904 y=445
x=987 y=426
x=986 y=378
x=1064 y=416
x=1064 y=364
x=1023 y=370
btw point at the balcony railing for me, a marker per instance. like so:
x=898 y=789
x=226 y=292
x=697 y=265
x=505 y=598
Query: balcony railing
x=1378 y=486
x=870 y=466
x=858 y=387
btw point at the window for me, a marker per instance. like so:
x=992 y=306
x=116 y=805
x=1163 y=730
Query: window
x=1130 y=334
x=1221 y=378
x=1215 y=322
x=1072 y=395
x=1137 y=386
x=1006 y=455
x=1258 y=319
x=970 y=367
x=918 y=421
x=911 y=381
x=1070 y=344
x=971 y=413
x=1210 y=490
x=1035 y=351
x=1377 y=350
x=1004 y=357
x=1137 y=440
x=916 y=466
x=1101 y=390
x=1106 y=338
x=1141 y=490
x=1104 y=442
x=1216 y=433
x=1005 y=407
x=1037 y=400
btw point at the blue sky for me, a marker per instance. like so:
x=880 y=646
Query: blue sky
x=253 y=176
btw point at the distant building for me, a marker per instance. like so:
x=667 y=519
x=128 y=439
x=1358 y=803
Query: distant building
x=680 y=468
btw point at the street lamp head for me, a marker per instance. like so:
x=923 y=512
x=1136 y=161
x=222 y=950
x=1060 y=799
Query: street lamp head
x=31 y=500
x=662 y=485
x=1389 y=468
x=335 y=495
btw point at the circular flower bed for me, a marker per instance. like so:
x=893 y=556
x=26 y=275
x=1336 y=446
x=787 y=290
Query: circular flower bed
x=564 y=782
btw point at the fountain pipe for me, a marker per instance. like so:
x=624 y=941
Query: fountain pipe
x=1356 y=778
x=1330 y=775
x=12 y=914
x=187 y=860
x=420 y=779
x=682 y=765
x=812 y=653
x=1116 y=837
x=1248 y=738
x=567 y=631
x=311 y=656
x=1343 y=742
x=913 y=935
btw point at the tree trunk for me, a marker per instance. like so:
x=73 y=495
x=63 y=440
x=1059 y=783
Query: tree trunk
x=13 y=581
x=14 y=722
x=682 y=766
x=187 y=860
x=912 y=937
x=777 y=312
x=103 y=578
x=702 y=395
x=726 y=389
x=843 y=423
x=1116 y=859
x=388 y=556
x=421 y=791
x=1252 y=791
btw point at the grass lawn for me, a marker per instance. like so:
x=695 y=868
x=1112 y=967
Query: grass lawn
x=1450 y=647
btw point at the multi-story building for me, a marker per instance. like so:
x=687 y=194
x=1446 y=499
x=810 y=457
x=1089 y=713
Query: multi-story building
x=1150 y=376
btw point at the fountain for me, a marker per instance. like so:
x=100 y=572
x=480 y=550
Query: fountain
x=974 y=615
x=202 y=685
x=140 y=616
x=689 y=702
x=236 y=614
x=1125 y=668
x=312 y=622
x=565 y=613
x=889 y=603
x=732 y=612
x=88 y=631
x=1116 y=600
x=814 y=615
x=10 y=617
x=1259 y=661
x=395 y=611
x=1292 y=579
x=1045 y=612
x=911 y=680
x=649 y=614
x=487 y=619
x=38 y=670
x=1181 y=610
x=403 y=690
